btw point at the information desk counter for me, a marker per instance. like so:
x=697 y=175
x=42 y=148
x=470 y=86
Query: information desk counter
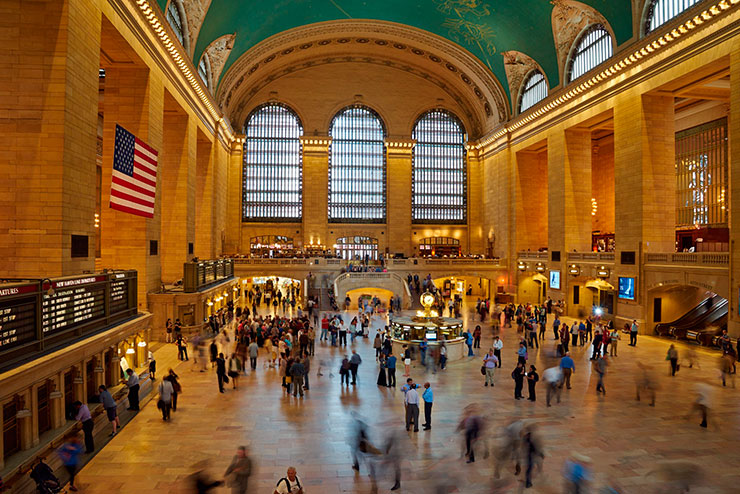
x=456 y=349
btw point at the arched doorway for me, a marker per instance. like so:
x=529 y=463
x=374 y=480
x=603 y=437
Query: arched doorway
x=357 y=248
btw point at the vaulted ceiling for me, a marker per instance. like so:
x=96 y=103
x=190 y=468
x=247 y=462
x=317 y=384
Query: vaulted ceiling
x=486 y=29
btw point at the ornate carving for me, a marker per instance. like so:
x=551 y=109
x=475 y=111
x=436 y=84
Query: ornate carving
x=569 y=18
x=517 y=66
x=305 y=37
x=195 y=10
x=465 y=26
x=218 y=52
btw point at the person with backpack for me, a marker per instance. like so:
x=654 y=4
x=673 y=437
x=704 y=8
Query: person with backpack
x=290 y=484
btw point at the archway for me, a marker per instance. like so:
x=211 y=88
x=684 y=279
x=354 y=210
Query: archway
x=357 y=248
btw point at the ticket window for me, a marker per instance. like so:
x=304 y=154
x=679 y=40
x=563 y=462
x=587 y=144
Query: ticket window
x=43 y=408
x=69 y=394
x=11 y=430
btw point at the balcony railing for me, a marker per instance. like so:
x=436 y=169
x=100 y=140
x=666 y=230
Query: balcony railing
x=391 y=264
x=535 y=256
x=689 y=258
x=591 y=256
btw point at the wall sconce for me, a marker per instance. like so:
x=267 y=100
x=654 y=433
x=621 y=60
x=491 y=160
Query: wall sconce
x=602 y=272
x=540 y=267
x=130 y=351
x=574 y=270
x=522 y=266
x=142 y=344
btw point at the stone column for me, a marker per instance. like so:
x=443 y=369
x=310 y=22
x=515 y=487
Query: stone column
x=99 y=371
x=531 y=201
x=733 y=324
x=177 y=165
x=316 y=190
x=474 y=200
x=399 y=154
x=24 y=416
x=79 y=382
x=115 y=367
x=133 y=100
x=234 y=209
x=204 y=199
x=48 y=141
x=56 y=401
x=644 y=188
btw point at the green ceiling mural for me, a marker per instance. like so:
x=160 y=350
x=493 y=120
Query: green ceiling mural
x=486 y=28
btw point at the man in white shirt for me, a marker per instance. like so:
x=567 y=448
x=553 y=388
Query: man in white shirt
x=133 y=390
x=411 y=399
x=498 y=344
x=289 y=484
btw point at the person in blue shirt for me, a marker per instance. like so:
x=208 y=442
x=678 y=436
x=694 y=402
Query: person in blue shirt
x=423 y=350
x=522 y=353
x=469 y=342
x=568 y=367
x=556 y=327
x=390 y=365
x=428 y=397
x=70 y=453
x=576 y=472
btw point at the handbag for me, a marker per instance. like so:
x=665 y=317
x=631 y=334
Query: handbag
x=226 y=379
x=483 y=370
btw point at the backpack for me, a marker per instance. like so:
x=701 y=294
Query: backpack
x=287 y=483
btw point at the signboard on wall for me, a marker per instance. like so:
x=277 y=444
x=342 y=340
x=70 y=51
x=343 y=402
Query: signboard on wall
x=626 y=288
x=555 y=279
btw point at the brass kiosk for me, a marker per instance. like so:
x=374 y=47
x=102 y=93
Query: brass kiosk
x=411 y=330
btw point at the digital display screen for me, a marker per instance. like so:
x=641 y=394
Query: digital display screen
x=555 y=279
x=627 y=288
x=431 y=335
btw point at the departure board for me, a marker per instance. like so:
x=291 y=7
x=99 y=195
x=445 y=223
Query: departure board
x=75 y=302
x=17 y=320
x=119 y=293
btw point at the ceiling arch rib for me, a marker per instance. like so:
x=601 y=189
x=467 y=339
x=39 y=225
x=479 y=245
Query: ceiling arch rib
x=518 y=65
x=218 y=52
x=410 y=49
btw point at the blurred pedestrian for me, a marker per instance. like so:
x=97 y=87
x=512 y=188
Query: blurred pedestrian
x=234 y=367
x=672 y=357
x=354 y=363
x=645 y=383
x=471 y=424
x=703 y=401
x=82 y=414
x=577 y=474
x=533 y=452
x=201 y=481
x=600 y=366
x=221 y=372
x=240 y=470
x=554 y=379
x=164 y=403
x=70 y=453
x=568 y=367
x=176 y=387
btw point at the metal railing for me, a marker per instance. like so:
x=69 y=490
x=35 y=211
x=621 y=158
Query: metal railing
x=535 y=256
x=591 y=256
x=689 y=258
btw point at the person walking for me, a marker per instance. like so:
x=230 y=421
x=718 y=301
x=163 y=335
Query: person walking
x=240 y=470
x=554 y=378
x=234 y=367
x=442 y=355
x=382 y=380
x=469 y=342
x=344 y=370
x=423 y=347
x=476 y=336
x=672 y=356
x=556 y=327
x=498 y=344
x=521 y=353
x=290 y=484
x=489 y=365
x=378 y=345
x=472 y=425
x=390 y=365
x=518 y=376
x=613 y=341
x=568 y=367
x=85 y=418
x=182 y=348
x=176 y=388
x=111 y=408
x=428 y=397
x=633 y=333
x=297 y=371
x=133 y=390
x=221 y=371
x=411 y=399
x=596 y=345
x=532 y=380
x=600 y=366
x=354 y=363
x=307 y=371
x=406 y=361
x=165 y=398
x=70 y=453
x=254 y=351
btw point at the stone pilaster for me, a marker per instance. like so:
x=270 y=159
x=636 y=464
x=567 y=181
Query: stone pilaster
x=205 y=211
x=475 y=197
x=235 y=164
x=399 y=160
x=733 y=325
x=316 y=190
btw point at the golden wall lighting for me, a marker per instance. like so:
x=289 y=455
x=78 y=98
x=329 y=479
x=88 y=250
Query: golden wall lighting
x=574 y=269
x=130 y=351
x=97 y=220
x=602 y=272
x=594 y=206
x=540 y=268
x=142 y=344
x=522 y=266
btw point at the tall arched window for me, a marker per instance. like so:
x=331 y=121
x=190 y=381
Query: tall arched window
x=439 y=179
x=534 y=90
x=174 y=18
x=357 y=167
x=661 y=11
x=593 y=47
x=204 y=70
x=273 y=180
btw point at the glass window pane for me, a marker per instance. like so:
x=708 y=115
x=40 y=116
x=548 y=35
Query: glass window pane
x=593 y=48
x=357 y=167
x=173 y=18
x=661 y=11
x=439 y=178
x=273 y=167
x=534 y=90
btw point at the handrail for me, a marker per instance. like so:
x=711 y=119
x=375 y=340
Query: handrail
x=689 y=258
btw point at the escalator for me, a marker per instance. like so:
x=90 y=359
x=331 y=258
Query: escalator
x=700 y=323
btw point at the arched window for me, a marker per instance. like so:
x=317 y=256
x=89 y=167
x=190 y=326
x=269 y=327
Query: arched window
x=204 y=70
x=534 y=90
x=357 y=248
x=438 y=179
x=661 y=11
x=593 y=47
x=175 y=20
x=357 y=167
x=273 y=181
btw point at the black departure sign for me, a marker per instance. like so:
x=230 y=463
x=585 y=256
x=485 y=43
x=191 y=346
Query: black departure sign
x=119 y=293
x=17 y=318
x=75 y=302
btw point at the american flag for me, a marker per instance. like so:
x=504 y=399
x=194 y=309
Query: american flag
x=134 y=181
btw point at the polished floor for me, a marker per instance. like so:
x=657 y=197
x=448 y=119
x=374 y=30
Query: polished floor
x=625 y=439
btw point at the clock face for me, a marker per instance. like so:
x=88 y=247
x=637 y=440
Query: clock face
x=427 y=299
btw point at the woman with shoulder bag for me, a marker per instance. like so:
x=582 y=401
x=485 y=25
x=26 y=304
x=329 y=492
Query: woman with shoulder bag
x=176 y=387
x=234 y=369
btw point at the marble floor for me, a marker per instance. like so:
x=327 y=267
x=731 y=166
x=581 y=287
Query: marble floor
x=624 y=438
